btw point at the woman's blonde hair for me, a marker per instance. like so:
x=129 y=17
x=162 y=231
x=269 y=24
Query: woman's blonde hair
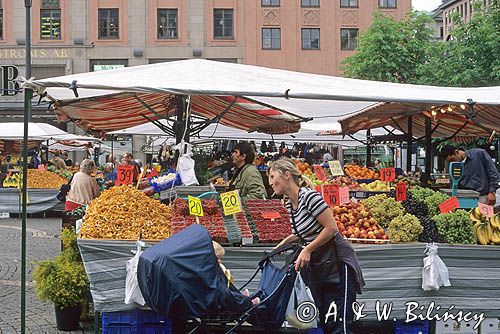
x=284 y=165
x=87 y=166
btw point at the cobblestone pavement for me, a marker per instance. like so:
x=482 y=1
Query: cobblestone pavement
x=43 y=242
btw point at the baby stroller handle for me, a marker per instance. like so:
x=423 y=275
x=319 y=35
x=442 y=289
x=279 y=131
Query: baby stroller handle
x=277 y=251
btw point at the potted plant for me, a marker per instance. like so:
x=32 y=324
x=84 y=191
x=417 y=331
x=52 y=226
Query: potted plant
x=63 y=281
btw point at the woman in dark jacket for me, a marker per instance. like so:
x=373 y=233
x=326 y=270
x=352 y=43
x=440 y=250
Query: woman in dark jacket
x=327 y=261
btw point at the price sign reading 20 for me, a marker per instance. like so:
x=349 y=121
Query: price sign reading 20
x=125 y=174
x=230 y=202
x=195 y=206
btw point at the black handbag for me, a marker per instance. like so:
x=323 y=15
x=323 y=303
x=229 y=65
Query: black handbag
x=323 y=267
x=64 y=190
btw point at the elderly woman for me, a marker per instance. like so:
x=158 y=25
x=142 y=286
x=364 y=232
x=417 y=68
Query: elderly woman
x=84 y=187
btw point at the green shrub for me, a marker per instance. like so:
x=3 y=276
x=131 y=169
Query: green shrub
x=62 y=280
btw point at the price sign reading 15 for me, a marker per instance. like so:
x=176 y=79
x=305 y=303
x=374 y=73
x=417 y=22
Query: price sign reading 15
x=230 y=202
x=195 y=207
x=125 y=174
x=388 y=174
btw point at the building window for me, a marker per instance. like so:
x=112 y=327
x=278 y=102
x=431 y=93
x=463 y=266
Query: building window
x=223 y=24
x=167 y=23
x=108 y=23
x=387 y=3
x=465 y=8
x=269 y=3
x=310 y=39
x=349 y=3
x=271 y=38
x=348 y=39
x=310 y=3
x=50 y=24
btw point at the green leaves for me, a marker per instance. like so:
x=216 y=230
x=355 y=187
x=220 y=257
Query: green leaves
x=403 y=51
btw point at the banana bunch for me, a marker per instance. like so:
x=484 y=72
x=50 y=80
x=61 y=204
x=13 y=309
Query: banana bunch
x=13 y=181
x=487 y=230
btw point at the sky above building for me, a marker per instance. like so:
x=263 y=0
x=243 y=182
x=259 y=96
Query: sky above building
x=427 y=5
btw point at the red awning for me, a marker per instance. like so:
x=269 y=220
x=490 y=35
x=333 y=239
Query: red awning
x=447 y=124
x=124 y=110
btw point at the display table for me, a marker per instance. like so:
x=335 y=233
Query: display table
x=393 y=274
x=40 y=200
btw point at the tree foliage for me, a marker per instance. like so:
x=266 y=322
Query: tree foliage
x=472 y=55
x=390 y=50
x=403 y=51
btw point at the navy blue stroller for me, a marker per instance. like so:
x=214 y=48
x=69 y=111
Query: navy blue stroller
x=180 y=278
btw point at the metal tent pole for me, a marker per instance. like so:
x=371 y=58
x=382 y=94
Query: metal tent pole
x=27 y=115
x=368 y=148
x=409 y=144
x=428 y=148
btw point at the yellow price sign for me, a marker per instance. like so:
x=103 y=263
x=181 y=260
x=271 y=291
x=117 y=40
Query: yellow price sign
x=230 y=202
x=335 y=168
x=195 y=207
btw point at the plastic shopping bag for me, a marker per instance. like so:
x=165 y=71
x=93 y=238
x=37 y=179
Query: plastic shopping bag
x=185 y=167
x=132 y=292
x=301 y=311
x=434 y=272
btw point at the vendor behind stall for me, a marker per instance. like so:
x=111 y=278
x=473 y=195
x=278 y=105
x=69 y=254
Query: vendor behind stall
x=247 y=178
x=480 y=173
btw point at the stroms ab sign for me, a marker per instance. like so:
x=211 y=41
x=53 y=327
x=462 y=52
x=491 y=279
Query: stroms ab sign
x=9 y=74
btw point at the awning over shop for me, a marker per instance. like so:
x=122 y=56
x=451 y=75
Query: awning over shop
x=455 y=121
x=111 y=100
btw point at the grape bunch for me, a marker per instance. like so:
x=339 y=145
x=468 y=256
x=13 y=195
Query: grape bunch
x=415 y=207
x=430 y=233
x=384 y=209
x=405 y=228
x=456 y=227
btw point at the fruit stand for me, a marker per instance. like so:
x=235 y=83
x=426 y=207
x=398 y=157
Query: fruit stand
x=43 y=187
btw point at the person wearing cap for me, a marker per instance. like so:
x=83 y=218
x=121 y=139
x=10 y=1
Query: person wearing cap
x=480 y=173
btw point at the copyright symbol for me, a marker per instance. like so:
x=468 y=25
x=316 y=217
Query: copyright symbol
x=306 y=312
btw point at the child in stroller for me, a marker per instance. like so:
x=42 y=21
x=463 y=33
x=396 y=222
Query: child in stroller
x=181 y=278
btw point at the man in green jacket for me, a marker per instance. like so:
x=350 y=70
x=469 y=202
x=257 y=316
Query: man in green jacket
x=247 y=178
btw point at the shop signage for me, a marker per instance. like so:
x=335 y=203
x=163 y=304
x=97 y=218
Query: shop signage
x=485 y=210
x=331 y=194
x=401 y=189
x=320 y=172
x=230 y=202
x=125 y=174
x=9 y=74
x=195 y=207
x=449 y=205
x=388 y=174
x=344 y=195
x=35 y=53
x=106 y=67
x=336 y=168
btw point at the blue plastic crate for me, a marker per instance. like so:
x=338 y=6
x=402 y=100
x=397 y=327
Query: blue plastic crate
x=133 y=317
x=138 y=329
x=420 y=327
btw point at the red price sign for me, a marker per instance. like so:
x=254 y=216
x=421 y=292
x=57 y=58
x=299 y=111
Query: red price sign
x=271 y=215
x=344 y=195
x=320 y=172
x=449 y=205
x=401 y=188
x=331 y=194
x=125 y=174
x=485 y=210
x=152 y=173
x=388 y=174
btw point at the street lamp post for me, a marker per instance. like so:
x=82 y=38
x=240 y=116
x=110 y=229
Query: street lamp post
x=27 y=115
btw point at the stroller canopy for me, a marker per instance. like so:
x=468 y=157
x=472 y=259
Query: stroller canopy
x=181 y=276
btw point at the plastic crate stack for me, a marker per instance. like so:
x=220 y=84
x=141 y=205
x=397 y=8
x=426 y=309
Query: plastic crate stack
x=135 y=322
